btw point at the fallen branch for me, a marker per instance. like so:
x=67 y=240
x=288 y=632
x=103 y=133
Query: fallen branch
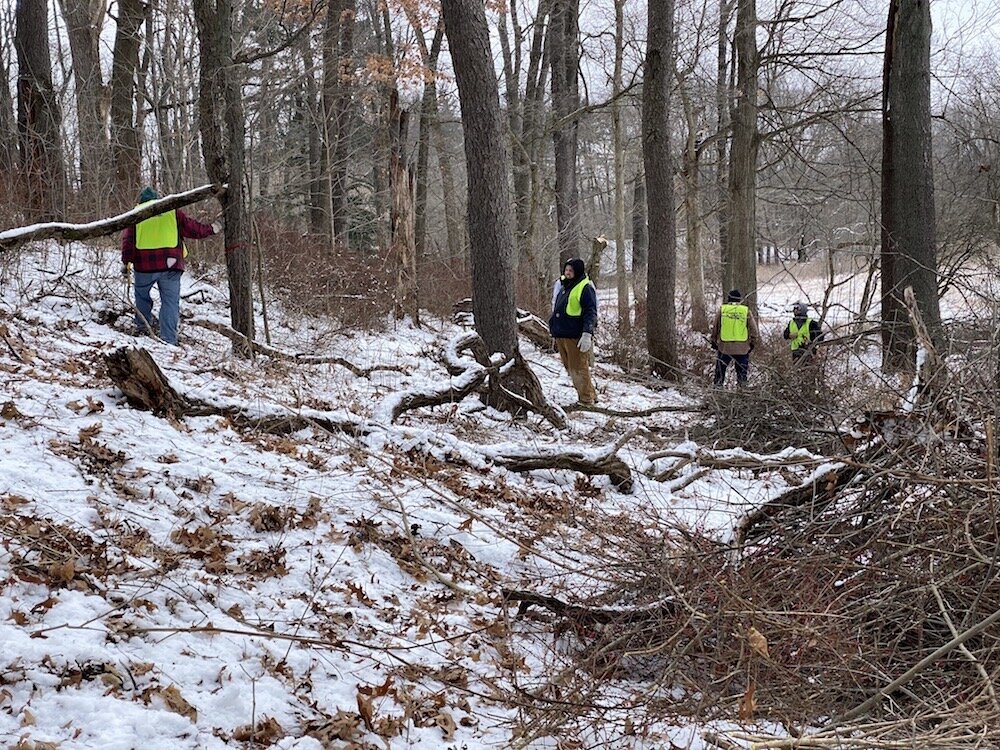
x=452 y=393
x=591 y=463
x=620 y=413
x=583 y=614
x=13 y=238
x=303 y=359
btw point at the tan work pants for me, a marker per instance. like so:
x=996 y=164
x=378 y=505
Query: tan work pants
x=577 y=364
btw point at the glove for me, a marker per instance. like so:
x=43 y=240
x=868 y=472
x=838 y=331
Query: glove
x=217 y=226
x=126 y=269
x=586 y=341
x=714 y=346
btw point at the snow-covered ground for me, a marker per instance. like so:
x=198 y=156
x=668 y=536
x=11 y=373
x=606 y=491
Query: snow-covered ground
x=195 y=584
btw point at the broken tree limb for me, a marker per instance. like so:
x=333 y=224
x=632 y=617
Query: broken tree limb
x=457 y=389
x=591 y=462
x=303 y=359
x=13 y=238
x=146 y=387
x=621 y=413
x=583 y=614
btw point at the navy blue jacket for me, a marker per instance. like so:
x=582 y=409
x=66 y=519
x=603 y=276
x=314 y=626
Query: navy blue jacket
x=563 y=326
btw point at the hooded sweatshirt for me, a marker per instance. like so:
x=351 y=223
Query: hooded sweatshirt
x=565 y=326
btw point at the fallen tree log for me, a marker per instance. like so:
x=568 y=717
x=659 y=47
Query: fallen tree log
x=13 y=238
x=529 y=325
x=146 y=388
x=622 y=413
x=303 y=359
x=591 y=463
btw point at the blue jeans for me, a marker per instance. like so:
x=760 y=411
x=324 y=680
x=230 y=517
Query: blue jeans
x=722 y=364
x=168 y=283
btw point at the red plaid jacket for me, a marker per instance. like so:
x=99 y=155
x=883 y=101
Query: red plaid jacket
x=150 y=261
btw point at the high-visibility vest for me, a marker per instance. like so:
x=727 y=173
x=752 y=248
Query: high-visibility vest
x=573 y=307
x=157 y=232
x=734 y=322
x=799 y=336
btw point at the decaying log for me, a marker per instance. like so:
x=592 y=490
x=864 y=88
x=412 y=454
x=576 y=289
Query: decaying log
x=13 y=238
x=144 y=384
x=587 y=615
x=303 y=359
x=529 y=325
x=557 y=457
x=147 y=388
x=622 y=413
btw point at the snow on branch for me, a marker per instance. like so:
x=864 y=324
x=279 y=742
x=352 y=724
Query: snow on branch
x=13 y=238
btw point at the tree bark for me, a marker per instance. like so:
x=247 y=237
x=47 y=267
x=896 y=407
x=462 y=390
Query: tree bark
x=344 y=103
x=909 y=257
x=403 y=250
x=661 y=322
x=125 y=153
x=624 y=316
x=220 y=109
x=39 y=120
x=692 y=214
x=8 y=119
x=314 y=120
x=428 y=111
x=723 y=95
x=84 y=19
x=640 y=247
x=490 y=237
x=741 y=251
x=564 y=61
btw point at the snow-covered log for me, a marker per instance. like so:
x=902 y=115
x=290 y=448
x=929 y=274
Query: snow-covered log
x=13 y=238
x=596 y=461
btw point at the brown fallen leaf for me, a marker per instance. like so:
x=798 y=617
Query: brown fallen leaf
x=748 y=703
x=758 y=642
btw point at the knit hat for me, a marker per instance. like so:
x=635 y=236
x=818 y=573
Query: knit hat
x=800 y=310
x=147 y=194
x=734 y=296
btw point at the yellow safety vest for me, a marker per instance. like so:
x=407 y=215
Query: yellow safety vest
x=734 y=323
x=573 y=307
x=799 y=336
x=157 y=232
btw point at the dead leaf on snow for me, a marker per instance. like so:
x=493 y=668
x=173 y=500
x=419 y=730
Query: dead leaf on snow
x=447 y=724
x=267 y=732
x=173 y=701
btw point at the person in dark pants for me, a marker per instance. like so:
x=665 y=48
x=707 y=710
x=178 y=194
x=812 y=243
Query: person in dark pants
x=154 y=248
x=802 y=332
x=734 y=335
x=572 y=325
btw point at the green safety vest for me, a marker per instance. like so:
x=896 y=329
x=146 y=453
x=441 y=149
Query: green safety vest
x=573 y=307
x=734 y=323
x=157 y=232
x=799 y=336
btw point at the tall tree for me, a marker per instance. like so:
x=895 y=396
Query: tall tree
x=722 y=120
x=8 y=120
x=84 y=19
x=338 y=50
x=223 y=134
x=909 y=258
x=125 y=153
x=640 y=247
x=490 y=237
x=741 y=235
x=39 y=119
x=564 y=43
x=691 y=171
x=624 y=317
x=661 y=319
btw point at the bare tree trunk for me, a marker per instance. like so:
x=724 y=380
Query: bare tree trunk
x=428 y=110
x=490 y=237
x=661 y=322
x=565 y=59
x=8 y=120
x=344 y=103
x=125 y=154
x=624 y=317
x=84 y=19
x=39 y=120
x=722 y=103
x=316 y=123
x=741 y=255
x=909 y=258
x=640 y=247
x=401 y=217
x=692 y=215
x=220 y=108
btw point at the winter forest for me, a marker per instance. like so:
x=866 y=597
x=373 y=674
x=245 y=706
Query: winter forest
x=534 y=374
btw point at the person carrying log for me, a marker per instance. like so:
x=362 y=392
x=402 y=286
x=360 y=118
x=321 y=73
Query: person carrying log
x=572 y=325
x=154 y=248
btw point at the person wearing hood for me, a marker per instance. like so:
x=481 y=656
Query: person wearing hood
x=802 y=332
x=572 y=325
x=734 y=335
x=154 y=248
